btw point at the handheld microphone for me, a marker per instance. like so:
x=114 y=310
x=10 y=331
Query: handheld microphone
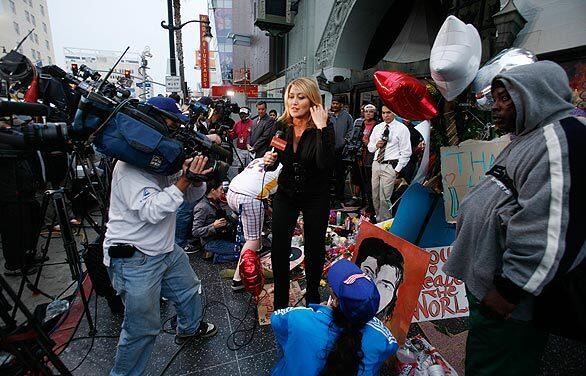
x=278 y=142
x=385 y=136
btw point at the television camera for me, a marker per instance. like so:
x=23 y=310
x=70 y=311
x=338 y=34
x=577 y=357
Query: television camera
x=97 y=111
x=353 y=144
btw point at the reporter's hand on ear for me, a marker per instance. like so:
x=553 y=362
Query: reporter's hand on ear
x=319 y=116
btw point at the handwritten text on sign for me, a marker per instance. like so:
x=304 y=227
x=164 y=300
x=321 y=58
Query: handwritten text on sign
x=442 y=296
x=463 y=166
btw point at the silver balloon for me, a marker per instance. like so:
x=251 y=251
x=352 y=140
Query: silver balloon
x=503 y=61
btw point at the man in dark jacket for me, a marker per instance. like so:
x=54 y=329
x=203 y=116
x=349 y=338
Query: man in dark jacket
x=343 y=124
x=211 y=226
x=522 y=226
x=260 y=132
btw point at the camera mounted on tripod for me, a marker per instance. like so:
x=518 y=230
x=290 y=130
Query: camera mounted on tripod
x=96 y=111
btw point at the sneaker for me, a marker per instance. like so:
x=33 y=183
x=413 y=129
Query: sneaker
x=237 y=286
x=191 y=249
x=206 y=330
x=19 y=272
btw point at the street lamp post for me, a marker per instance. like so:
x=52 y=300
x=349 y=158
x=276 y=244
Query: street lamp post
x=208 y=36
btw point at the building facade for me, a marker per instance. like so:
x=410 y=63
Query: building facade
x=17 y=18
x=103 y=60
x=343 y=42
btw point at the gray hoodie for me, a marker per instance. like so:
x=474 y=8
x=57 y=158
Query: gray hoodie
x=517 y=244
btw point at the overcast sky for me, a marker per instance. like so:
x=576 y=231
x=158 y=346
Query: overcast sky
x=115 y=24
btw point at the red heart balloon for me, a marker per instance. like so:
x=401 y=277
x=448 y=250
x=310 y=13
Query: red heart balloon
x=405 y=95
x=251 y=272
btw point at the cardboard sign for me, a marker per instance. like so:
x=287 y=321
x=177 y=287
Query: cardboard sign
x=442 y=296
x=463 y=166
x=267 y=296
x=398 y=268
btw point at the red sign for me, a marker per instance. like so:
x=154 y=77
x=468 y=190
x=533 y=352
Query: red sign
x=205 y=52
x=251 y=91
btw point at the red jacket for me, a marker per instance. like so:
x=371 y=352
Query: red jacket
x=241 y=131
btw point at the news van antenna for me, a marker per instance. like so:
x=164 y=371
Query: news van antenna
x=23 y=39
x=112 y=69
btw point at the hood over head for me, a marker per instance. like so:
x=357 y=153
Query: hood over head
x=541 y=94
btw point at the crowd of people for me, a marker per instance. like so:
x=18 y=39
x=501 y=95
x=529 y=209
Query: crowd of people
x=514 y=236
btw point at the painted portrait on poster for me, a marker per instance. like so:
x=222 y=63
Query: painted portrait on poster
x=398 y=269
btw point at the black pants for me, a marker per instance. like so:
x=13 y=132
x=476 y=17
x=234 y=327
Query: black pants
x=19 y=227
x=315 y=209
x=339 y=176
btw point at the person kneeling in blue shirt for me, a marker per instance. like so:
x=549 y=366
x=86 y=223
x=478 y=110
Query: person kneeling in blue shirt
x=342 y=338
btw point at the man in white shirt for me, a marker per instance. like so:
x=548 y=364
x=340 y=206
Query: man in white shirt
x=144 y=263
x=391 y=144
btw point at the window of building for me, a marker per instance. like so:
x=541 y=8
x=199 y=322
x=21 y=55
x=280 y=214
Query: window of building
x=47 y=45
x=12 y=6
x=49 y=59
x=33 y=53
x=27 y=15
x=45 y=27
x=16 y=28
x=33 y=20
x=42 y=9
x=36 y=38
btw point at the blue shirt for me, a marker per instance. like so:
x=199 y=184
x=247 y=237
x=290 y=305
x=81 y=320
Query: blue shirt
x=306 y=334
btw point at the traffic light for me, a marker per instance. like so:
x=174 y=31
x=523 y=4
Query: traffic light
x=127 y=73
x=74 y=69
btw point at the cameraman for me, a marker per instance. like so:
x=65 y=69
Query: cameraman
x=213 y=227
x=241 y=133
x=369 y=121
x=20 y=219
x=145 y=264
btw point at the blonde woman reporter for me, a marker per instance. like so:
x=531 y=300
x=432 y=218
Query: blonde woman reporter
x=308 y=161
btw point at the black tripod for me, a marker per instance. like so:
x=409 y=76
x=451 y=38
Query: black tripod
x=73 y=256
x=29 y=344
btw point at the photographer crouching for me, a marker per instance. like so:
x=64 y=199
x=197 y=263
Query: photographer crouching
x=213 y=227
x=144 y=263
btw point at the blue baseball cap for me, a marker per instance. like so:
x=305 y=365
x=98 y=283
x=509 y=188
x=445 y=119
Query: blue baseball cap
x=357 y=294
x=169 y=105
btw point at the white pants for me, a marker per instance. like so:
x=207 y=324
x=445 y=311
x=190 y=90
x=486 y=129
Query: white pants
x=383 y=182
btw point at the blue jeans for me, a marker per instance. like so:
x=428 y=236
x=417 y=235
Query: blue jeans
x=141 y=280
x=184 y=223
x=223 y=250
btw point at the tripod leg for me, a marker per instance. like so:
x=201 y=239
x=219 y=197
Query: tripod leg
x=73 y=256
x=44 y=207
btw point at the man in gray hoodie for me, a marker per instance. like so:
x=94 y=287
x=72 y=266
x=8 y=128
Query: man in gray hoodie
x=522 y=226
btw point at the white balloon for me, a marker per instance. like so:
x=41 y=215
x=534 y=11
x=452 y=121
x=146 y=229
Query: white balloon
x=455 y=57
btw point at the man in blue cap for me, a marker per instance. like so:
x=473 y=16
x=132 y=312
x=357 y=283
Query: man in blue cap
x=169 y=105
x=343 y=337
x=143 y=261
